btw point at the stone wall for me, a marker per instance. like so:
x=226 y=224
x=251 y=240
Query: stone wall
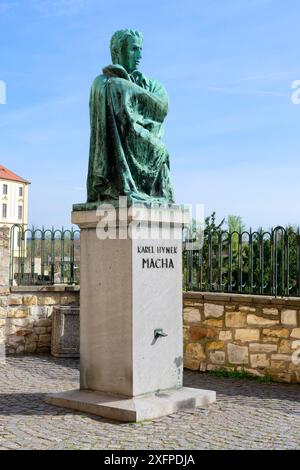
x=258 y=334
x=25 y=316
x=4 y=256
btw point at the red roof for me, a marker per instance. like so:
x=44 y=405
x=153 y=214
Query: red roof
x=9 y=175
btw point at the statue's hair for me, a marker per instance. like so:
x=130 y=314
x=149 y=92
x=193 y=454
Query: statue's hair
x=117 y=40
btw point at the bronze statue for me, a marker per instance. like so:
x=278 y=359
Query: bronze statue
x=127 y=110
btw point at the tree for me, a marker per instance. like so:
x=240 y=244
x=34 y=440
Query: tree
x=235 y=223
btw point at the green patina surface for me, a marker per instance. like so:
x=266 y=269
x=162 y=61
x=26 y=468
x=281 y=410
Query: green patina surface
x=127 y=110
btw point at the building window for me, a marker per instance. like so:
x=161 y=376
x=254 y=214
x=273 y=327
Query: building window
x=4 y=211
x=20 y=212
x=5 y=189
x=20 y=191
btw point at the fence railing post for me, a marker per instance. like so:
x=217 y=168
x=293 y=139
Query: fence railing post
x=4 y=257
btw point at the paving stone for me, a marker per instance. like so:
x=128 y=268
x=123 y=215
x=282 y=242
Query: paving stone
x=254 y=415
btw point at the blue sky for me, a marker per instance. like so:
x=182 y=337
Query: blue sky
x=228 y=65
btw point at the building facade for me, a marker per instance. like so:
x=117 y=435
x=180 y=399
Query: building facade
x=13 y=202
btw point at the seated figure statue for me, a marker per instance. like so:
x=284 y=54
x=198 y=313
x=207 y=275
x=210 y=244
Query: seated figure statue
x=127 y=110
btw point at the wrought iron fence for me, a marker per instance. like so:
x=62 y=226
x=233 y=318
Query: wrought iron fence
x=246 y=262
x=44 y=256
x=259 y=262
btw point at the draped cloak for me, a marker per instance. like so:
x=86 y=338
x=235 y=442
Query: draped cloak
x=127 y=156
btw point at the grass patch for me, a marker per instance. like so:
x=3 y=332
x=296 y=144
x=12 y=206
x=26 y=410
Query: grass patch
x=241 y=374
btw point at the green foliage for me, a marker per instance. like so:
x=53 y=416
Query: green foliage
x=235 y=223
x=211 y=225
x=236 y=260
x=241 y=374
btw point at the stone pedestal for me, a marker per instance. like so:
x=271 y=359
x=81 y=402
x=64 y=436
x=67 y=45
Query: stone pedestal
x=131 y=346
x=65 y=331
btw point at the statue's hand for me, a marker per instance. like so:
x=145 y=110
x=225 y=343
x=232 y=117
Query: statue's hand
x=139 y=78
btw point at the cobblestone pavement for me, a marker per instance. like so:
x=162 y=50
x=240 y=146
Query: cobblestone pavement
x=247 y=415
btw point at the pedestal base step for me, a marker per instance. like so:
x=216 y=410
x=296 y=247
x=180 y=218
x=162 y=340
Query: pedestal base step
x=133 y=409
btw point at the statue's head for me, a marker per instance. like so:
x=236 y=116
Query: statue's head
x=126 y=49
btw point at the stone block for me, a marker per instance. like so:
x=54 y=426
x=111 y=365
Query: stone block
x=198 y=332
x=3 y=312
x=41 y=311
x=295 y=333
x=3 y=302
x=247 y=309
x=23 y=332
x=214 y=323
x=186 y=334
x=187 y=302
x=217 y=357
x=281 y=357
x=10 y=329
x=262 y=348
x=225 y=335
x=15 y=300
x=259 y=360
x=276 y=332
x=194 y=354
x=69 y=299
x=31 y=347
x=48 y=300
x=235 y=319
x=45 y=339
x=2 y=322
x=13 y=340
x=238 y=354
x=284 y=346
x=191 y=315
x=213 y=310
x=213 y=345
x=247 y=334
x=285 y=377
x=270 y=311
x=289 y=317
x=40 y=330
x=20 y=321
x=260 y=321
x=18 y=312
x=4 y=291
x=32 y=338
x=43 y=322
x=30 y=300
x=278 y=365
